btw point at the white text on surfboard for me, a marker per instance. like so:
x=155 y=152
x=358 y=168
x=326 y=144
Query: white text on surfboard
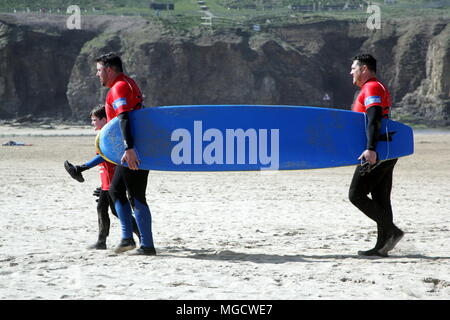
x=231 y=151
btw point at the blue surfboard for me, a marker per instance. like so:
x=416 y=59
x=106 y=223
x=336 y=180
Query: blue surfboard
x=250 y=137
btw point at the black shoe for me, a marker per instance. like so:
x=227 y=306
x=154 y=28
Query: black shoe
x=73 y=171
x=392 y=241
x=99 y=245
x=125 y=245
x=144 y=251
x=372 y=253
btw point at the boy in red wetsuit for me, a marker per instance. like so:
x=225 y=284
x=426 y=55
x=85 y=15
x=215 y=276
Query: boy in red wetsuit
x=98 y=120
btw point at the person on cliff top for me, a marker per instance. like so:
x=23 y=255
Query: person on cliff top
x=373 y=175
x=104 y=201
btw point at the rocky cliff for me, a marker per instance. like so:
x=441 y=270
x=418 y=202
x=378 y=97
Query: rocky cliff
x=48 y=70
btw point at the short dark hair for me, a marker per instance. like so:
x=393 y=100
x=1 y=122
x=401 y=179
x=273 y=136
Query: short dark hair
x=367 y=60
x=111 y=60
x=99 y=111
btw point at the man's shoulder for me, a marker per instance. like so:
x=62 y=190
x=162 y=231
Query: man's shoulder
x=372 y=83
x=120 y=87
x=124 y=82
x=119 y=83
x=373 y=86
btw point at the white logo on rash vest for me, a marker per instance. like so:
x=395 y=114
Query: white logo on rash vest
x=228 y=150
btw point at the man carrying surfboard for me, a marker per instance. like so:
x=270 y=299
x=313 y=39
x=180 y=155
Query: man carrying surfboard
x=123 y=97
x=374 y=175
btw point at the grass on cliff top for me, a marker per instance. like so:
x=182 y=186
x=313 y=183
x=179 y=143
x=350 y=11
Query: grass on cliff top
x=194 y=3
x=217 y=7
x=267 y=13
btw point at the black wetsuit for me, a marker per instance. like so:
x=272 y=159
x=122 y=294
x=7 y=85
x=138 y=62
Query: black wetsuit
x=377 y=181
x=104 y=203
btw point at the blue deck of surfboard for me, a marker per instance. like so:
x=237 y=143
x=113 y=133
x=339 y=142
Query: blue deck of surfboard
x=246 y=137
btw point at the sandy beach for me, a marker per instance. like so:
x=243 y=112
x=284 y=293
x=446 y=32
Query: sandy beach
x=241 y=235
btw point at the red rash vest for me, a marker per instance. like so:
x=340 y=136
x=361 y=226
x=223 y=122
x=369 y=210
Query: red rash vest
x=123 y=96
x=373 y=93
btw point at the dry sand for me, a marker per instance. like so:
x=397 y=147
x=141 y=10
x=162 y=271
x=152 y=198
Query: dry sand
x=283 y=235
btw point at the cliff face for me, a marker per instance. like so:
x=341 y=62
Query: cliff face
x=430 y=99
x=224 y=69
x=53 y=72
x=35 y=67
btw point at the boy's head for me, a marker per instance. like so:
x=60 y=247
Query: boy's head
x=98 y=117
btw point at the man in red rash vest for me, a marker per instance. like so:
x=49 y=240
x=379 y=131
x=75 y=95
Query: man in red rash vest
x=374 y=175
x=123 y=97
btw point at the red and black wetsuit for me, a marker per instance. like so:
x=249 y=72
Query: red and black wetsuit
x=123 y=97
x=373 y=93
x=374 y=100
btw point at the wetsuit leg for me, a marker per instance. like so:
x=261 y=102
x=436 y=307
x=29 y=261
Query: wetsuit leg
x=136 y=228
x=136 y=183
x=113 y=211
x=103 y=218
x=379 y=184
x=111 y=206
x=93 y=162
x=382 y=195
x=117 y=191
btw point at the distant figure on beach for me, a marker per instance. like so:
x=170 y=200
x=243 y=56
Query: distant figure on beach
x=98 y=120
x=373 y=175
x=12 y=143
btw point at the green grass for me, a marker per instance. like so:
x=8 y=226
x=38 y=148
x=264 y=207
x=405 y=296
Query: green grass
x=97 y=42
x=187 y=12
